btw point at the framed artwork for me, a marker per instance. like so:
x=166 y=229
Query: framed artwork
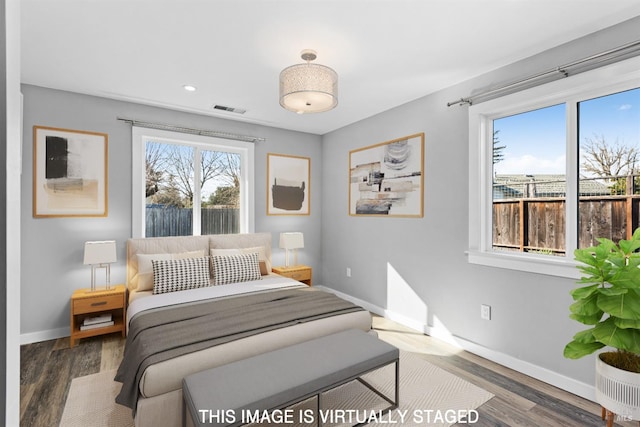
x=288 y=184
x=69 y=173
x=386 y=179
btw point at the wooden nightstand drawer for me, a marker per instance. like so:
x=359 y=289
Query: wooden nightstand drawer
x=299 y=275
x=92 y=305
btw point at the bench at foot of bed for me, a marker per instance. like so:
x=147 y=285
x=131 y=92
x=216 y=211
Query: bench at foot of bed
x=281 y=378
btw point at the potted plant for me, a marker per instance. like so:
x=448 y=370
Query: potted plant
x=608 y=301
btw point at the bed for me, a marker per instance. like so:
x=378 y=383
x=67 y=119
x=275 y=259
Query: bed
x=193 y=322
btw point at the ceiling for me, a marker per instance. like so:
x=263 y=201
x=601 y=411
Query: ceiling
x=386 y=52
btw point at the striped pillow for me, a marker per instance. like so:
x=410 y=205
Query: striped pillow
x=235 y=268
x=180 y=274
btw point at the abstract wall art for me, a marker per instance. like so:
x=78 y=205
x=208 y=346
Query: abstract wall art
x=288 y=184
x=69 y=172
x=386 y=179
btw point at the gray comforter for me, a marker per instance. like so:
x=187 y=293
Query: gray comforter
x=173 y=331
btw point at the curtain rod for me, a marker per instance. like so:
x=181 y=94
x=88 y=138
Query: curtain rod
x=588 y=63
x=203 y=132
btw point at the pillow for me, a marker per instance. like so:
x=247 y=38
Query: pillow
x=190 y=254
x=235 y=268
x=145 y=268
x=265 y=264
x=180 y=274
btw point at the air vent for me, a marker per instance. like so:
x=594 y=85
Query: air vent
x=229 y=109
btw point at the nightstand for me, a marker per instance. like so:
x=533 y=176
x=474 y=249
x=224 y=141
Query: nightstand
x=301 y=273
x=96 y=307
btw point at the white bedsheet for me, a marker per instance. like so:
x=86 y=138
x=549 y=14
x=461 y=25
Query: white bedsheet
x=270 y=282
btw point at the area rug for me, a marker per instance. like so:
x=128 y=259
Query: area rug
x=91 y=403
x=428 y=396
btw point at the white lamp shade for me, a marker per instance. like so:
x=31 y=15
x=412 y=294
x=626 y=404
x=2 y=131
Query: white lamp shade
x=308 y=88
x=102 y=252
x=291 y=240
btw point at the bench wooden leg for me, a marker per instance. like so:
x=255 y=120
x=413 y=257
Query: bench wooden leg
x=608 y=416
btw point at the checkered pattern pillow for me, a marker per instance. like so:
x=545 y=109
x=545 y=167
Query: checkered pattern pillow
x=180 y=274
x=235 y=268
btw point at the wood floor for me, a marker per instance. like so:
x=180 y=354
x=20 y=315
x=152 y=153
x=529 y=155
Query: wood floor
x=47 y=369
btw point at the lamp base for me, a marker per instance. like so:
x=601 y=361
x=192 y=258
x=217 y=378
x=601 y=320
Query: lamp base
x=107 y=287
x=99 y=289
x=295 y=258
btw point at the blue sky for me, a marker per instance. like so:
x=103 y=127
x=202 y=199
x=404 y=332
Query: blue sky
x=535 y=141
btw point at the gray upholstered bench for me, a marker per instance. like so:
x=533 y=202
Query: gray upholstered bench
x=281 y=378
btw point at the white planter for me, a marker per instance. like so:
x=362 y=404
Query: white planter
x=618 y=391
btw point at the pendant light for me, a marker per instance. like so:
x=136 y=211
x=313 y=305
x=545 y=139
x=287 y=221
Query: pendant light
x=308 y=88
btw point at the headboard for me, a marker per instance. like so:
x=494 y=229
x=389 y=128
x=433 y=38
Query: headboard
x=178 y=244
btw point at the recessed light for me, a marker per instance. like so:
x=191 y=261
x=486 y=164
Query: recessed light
x=189 y=88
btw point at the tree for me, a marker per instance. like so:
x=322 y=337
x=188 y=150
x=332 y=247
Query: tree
x=498 y=155
x=224 y=196
x=181 y=160
x=608 y=160
x=612 y=161
x=154 y=165
x=170 y=173
x=169 y=194
x=230 y=169
x=228 y=194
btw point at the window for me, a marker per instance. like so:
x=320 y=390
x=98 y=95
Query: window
x=187 y=184
x=609 y=146
x=529 y=185
x=553 y=168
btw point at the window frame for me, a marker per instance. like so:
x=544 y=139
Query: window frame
x=141 y=135
x=621 y=76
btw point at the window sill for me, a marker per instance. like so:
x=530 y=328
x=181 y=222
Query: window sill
x=559 y=267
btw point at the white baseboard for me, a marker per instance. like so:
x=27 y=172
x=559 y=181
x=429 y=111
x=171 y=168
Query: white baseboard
x=543 y=374
x=50 y=334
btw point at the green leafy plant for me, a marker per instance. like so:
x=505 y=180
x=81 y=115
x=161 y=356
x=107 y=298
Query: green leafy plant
x=609 y=302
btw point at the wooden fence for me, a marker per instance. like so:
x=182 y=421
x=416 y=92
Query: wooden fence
x=173 y=221
x=538 y=224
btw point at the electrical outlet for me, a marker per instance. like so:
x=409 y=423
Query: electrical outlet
x=348 y=271
x=485 y=312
